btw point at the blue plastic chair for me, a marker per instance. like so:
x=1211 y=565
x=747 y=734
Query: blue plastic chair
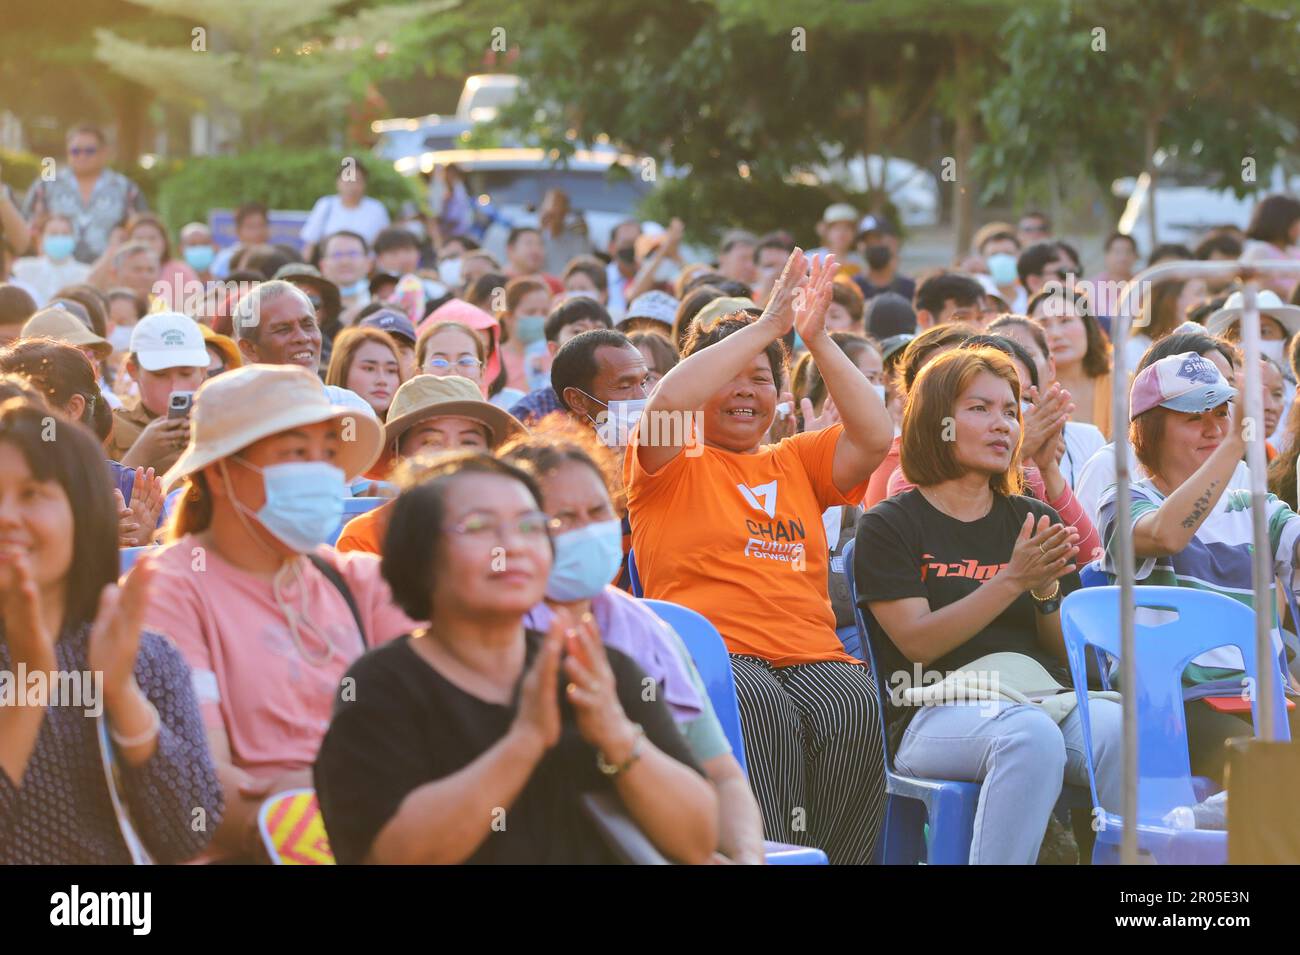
x=1090 y=575
x=710 y=655
x=352 y=506
x=127 y=557
x=1205 y=621
x=913 y=805
x=634 y=578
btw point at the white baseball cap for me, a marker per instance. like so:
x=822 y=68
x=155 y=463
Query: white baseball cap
x=168 y=340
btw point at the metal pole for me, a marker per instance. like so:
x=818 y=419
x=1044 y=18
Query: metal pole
x=1261 y=564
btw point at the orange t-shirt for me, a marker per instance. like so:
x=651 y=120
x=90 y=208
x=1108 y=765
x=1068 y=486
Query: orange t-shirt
x=739 y=538
x=365 y=532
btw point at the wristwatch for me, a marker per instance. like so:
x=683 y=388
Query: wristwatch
x=611 y=770
x=1048 y=603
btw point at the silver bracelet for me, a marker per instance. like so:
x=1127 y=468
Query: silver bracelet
x=145 y=737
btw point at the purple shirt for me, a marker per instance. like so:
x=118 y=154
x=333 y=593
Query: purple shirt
x=628 y=625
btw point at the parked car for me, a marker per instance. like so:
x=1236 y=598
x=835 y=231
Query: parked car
x=399 y=138
x=508 y=185
x=484 y=94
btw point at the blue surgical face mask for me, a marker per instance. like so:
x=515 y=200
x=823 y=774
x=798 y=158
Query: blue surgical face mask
x=1002 y=268
x=586 y=561
x=304 y=502
x=58 y=247
x=880 y=390
x=199 y=257
x=530 y=329
x=358 y=289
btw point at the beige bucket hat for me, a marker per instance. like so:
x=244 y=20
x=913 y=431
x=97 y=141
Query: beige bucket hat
x=245 y=405
x=62 y=326
x=433 y=396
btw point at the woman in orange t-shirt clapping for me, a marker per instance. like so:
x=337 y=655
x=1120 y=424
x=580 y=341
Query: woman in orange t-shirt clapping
x=732 y=528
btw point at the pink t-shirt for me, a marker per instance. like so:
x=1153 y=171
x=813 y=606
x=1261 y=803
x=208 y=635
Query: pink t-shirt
x=249 y=677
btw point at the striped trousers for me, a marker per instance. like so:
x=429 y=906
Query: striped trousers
x=812 y=742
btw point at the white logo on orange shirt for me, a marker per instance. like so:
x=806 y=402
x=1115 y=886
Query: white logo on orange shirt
x=765 y=492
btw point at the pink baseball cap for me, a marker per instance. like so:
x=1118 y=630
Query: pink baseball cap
x=1186 y=382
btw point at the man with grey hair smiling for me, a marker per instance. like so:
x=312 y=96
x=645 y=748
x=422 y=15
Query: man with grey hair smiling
x=275 y=324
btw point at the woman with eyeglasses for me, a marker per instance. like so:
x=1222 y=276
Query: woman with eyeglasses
x=478 y=740
x=450 y=348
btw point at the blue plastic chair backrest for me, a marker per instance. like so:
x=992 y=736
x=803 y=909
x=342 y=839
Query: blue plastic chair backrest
x=1090 y=575
x=127 y=556
x=710 y=655
x=869 y=651
x=352 y=506
x=634 y=578
x=1205 y=621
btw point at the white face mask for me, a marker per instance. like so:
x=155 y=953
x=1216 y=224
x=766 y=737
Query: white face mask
x=449 y=272
x=880 y=390
x=1275 y=350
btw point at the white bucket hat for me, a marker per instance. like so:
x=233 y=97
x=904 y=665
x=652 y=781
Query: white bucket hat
x=1269 y=304
x=245 y=405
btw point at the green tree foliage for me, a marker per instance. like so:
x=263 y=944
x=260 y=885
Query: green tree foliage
x=283 y=179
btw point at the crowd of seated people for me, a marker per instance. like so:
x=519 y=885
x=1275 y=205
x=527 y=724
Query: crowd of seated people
x=394 y=507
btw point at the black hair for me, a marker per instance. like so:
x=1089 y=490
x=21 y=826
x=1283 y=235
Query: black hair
x=467 y=242
x=1034 y=259
x=704 y=277
x=1272 y=219
x=325 y=242
x=1180 y=342
x=517 y=231
x=1169 y=250
x=92 y=300
x=266 y=260
x=1073 y=254
x=698 y=338
x=16 y=306
x=1116 y=237
x=415 y=534
x=88 y=129
x=58 y=371
x=1009 y=347
x=250 y=209
x=395 y=237
x=1033 y=328
x=574 y=365
x=1221 y=242
x=75 y=461
x=577 y=309
x=945 y=286
x=589 y=266
x=692 y=304
x=733 y=289
x=773 y=240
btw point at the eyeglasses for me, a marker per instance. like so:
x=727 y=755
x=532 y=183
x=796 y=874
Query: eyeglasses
x=82 y=150
x=532 y=526
x=350 y=254
x=464 y=361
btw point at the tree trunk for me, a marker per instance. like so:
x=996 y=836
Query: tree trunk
x=963 y=146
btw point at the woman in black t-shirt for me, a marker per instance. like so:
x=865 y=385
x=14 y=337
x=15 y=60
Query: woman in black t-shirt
x=475 y=740
x=963 y=566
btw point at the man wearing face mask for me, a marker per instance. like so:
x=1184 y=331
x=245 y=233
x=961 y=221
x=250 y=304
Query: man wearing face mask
x=998 y=246
x=878 y=240
x=258 y=606
x=599 y=377
x=198 y=250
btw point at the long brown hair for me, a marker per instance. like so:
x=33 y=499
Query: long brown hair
x=346 y=346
